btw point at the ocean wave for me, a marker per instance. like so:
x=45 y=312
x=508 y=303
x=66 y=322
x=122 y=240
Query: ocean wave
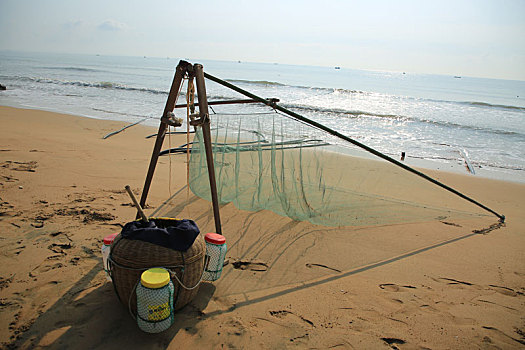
x=467 y=103
x=477 y=163
x=354 y=114
x=256 y=82
x=310 y=88
x=100 y=85
x=489 y=105
x=321 y=90
x=75 y=69
x=399 y=118
x=353 y=91
x=497 y=165
x=125 y=114
x=469 y=127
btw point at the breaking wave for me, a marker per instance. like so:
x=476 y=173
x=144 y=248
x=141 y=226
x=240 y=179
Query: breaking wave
x=256 y=82
x=488 y=105
x=322 y=90
x=399 y=118
x=75 y=69
x=351 y=92
x=100 y=85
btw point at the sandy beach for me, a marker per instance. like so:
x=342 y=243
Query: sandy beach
x=424 y=285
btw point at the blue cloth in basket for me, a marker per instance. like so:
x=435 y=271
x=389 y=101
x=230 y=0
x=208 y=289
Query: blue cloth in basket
x=178 y=235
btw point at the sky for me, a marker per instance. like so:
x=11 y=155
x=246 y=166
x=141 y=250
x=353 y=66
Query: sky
x=482 y=38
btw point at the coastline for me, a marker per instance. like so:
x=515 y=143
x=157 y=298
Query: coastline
x=455 y=292
x=435 y=118
x=458 y=167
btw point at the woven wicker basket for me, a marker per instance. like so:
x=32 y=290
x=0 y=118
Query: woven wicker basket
x=132 y=257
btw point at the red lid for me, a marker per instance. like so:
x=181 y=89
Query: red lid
x=109 y=239
x=215 y=238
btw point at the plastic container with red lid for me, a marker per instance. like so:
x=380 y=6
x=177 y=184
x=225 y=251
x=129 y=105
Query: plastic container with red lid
x=215 y=238
x=109 y=239
x=106 y=247
x=215 y=254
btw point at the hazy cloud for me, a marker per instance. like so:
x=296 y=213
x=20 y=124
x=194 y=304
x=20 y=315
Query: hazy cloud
x=73 y=24
x=111 y=25
x=405 y=35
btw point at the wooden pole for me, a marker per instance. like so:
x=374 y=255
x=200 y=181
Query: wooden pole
x=136 y=203
x=206 y=133
x=181 y=70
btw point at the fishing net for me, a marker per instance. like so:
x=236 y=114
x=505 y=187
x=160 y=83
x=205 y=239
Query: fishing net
x=300 y=207
x=269 y=161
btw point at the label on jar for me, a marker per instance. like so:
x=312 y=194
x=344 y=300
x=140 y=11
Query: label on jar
x=158 y=312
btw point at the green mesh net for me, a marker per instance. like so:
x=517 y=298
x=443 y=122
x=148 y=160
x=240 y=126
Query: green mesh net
x=299 y=208
x=268 y=161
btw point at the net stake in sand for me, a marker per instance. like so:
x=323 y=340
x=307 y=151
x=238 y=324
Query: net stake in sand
x=137 y=205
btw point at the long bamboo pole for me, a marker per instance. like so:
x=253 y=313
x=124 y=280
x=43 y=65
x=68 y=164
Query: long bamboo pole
x=180 y=71
x=352 y=141
x=206 y=133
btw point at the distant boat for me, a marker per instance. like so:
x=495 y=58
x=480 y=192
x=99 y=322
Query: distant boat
x=457 y=77
x=337 y=67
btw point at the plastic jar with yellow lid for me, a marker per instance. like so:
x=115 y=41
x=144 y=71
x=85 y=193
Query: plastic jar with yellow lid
x=155 y=300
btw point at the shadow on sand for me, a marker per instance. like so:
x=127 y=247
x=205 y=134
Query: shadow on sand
x=92 y=317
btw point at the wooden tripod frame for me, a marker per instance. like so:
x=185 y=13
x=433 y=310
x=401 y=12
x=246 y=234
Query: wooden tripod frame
x=192 y=72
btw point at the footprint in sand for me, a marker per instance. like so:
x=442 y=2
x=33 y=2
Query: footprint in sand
x=37 y=224
x=46 y=266
x=500 y=289
x=450 y=223
x=6 y=209
x=498 y=332
x=454 y=281
x=20 y=166
x=393 y=341
x=8 y=178
x=310 y=265
x=504 y=290
x=59 y=247
x=18 y=250
x=284 y=313
x=5 y=281
x=391 y=287
x=250 y=265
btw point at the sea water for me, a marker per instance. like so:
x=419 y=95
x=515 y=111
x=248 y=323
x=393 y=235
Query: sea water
x=436 y=118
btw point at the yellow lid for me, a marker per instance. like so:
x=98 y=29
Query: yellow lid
x=155 y=278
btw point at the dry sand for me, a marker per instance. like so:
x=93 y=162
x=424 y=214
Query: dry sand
x=289 y=284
